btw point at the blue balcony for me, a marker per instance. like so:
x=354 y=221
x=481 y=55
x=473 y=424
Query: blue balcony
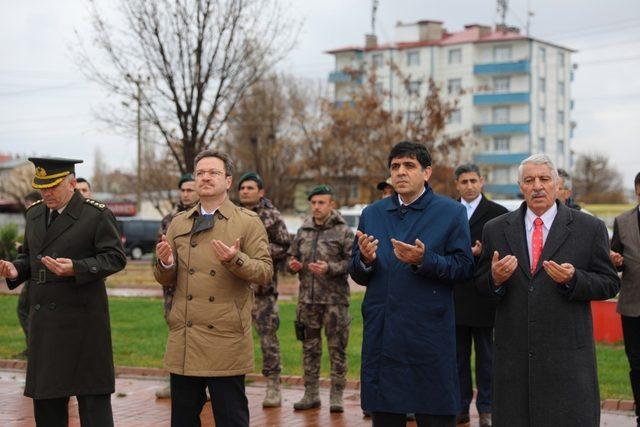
x=508 y=190
x=505 y=159
x=501 y=129
x=343 y=77
x=501 y=98
x=517 y=67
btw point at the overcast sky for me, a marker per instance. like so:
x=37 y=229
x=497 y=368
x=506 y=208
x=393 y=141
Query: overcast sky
x=47 y=107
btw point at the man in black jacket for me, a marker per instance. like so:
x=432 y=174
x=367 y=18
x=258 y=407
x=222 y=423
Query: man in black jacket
x=474 y=312
x=71 y=245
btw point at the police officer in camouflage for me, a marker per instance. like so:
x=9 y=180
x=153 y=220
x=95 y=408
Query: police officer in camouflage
x=265 y=311
x=188 y=199
x=320 y=254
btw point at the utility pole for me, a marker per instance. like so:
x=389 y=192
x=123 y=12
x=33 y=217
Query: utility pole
x=138 y=97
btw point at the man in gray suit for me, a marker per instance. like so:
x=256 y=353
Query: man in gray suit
x=625 y=255
x=545 y=263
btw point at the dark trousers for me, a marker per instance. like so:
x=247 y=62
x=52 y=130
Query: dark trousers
x=228 y=400
x=388 y=419
x=631 y=333
x=483 y=345
x=95 y=411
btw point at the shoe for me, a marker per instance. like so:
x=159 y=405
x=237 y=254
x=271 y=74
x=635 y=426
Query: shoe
x=273 y=397
x=311 y=398
x=163 y=393
x=411 y=417
x=335 y=398
x=485 y=419
x=462 y=419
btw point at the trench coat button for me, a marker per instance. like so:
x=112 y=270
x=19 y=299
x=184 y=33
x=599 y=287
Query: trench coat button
x=94 y=269
x=531 y=354
x=212 y=298
x=239 y=262
x=212 y=273
x=39 y=257
x=189 y=297
x=192 y=270
x=194 y=244
x=210 y=326
x=36 y=307
x=530 y=288
x=52 y=306
x=189 y=323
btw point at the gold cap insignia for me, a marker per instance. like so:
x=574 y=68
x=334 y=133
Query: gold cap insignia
x=40 y=172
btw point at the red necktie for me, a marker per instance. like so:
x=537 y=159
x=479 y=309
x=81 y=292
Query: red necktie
x=536 y=243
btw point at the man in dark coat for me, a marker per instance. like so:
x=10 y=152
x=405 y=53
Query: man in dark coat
x=546 y=263
x=474 y=312
x=411 y=248
x=71 y=244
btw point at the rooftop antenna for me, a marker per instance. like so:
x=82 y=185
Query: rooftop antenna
x=501 y=8
x=374 y=10
x=530 y=15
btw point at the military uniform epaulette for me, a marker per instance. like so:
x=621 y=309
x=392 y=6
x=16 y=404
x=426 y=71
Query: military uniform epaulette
x=247 y=211
x=37 y=202
x=95 y=204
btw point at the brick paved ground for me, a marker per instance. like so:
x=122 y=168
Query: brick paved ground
x=134 y=404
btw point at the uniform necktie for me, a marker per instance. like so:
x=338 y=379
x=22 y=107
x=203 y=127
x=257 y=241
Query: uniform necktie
x=536 y=243
x=52 y=217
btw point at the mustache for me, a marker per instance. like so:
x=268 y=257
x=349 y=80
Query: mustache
x=538 y=193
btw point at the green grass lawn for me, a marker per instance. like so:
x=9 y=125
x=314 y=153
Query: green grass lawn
x=139 y=337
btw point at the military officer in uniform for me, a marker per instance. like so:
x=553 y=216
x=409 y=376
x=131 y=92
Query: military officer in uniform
x=71 y=244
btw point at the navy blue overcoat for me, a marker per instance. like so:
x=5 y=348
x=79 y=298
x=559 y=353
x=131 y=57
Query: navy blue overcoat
x=409 y=346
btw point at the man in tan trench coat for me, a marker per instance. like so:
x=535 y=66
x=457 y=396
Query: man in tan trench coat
x=213 y=252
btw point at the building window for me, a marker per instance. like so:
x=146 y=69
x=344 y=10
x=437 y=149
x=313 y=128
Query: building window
x=501 y=175
x=542 y=55
x=501 y=84
x=561 y=59
x=500 y=115
x=501 y=143
x=542 y=114
x=561 y=146
x=561 y=117
x=502 y=53
x=454 y=86
x=376 y=60
x=455 y=117
x=542 y=84
x=413 y=58
x=542 y=144
x=455 y=56
x=561 y=89
x=413 y=116
x=413 y=88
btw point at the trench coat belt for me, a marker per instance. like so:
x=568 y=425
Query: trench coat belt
x=45 y=276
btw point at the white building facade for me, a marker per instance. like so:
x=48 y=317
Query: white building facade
x=513 y=91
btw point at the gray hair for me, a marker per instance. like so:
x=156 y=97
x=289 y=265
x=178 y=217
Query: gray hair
x=538 y=159
x=467 y=168
x=228 y=163
x=566 y=179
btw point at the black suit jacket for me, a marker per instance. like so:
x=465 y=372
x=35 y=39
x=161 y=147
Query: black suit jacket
x=473 y=308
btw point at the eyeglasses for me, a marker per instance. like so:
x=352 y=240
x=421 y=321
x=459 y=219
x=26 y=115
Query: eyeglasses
x=213 y=172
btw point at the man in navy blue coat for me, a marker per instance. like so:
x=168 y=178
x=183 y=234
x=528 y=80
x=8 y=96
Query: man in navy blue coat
x=412 y=248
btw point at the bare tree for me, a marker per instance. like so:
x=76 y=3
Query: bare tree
x=186 y=63
x=595 y=180
x=15 y=183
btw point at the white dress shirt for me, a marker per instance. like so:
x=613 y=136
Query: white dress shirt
x=471 y=206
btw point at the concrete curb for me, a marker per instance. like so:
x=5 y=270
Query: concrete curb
x=132 y=371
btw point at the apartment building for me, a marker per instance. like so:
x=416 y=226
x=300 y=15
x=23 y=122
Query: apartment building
x=513 y=90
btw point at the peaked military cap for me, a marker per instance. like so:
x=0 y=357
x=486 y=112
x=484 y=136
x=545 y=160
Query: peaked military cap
x=251 y=176
x=382 y=184
x=50 y=171
x=185 y=177
x=320 y=189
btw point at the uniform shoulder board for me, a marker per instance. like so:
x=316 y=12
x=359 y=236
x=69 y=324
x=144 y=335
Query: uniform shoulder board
x=95 y=204
x=247 y=211
x=37 y=202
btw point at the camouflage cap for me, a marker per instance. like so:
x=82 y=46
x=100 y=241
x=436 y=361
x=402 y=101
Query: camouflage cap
x=383 y=184
x=185 y=177
x=320 y=189
x=251 y=176
x=50 y=171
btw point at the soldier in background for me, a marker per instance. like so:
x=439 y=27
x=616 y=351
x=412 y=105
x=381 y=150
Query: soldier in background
x=385 y=188
x=565 y=190
x=265 y=310
x=320 y=254
x=84 y=187
x=188 y=199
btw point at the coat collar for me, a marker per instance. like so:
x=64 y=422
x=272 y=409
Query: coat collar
x=68 y=216
x=420 y=204
x=200 y=223
x=479 y=211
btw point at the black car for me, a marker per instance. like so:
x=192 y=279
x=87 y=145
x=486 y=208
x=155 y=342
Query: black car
x=139 y=236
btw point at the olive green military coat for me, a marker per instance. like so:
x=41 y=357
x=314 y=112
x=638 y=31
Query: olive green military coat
x=210 y=319
x=70 y=336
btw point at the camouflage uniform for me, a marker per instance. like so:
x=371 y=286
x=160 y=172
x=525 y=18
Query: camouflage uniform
x=167 y=291
x=324 y=300
x=265 y=311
